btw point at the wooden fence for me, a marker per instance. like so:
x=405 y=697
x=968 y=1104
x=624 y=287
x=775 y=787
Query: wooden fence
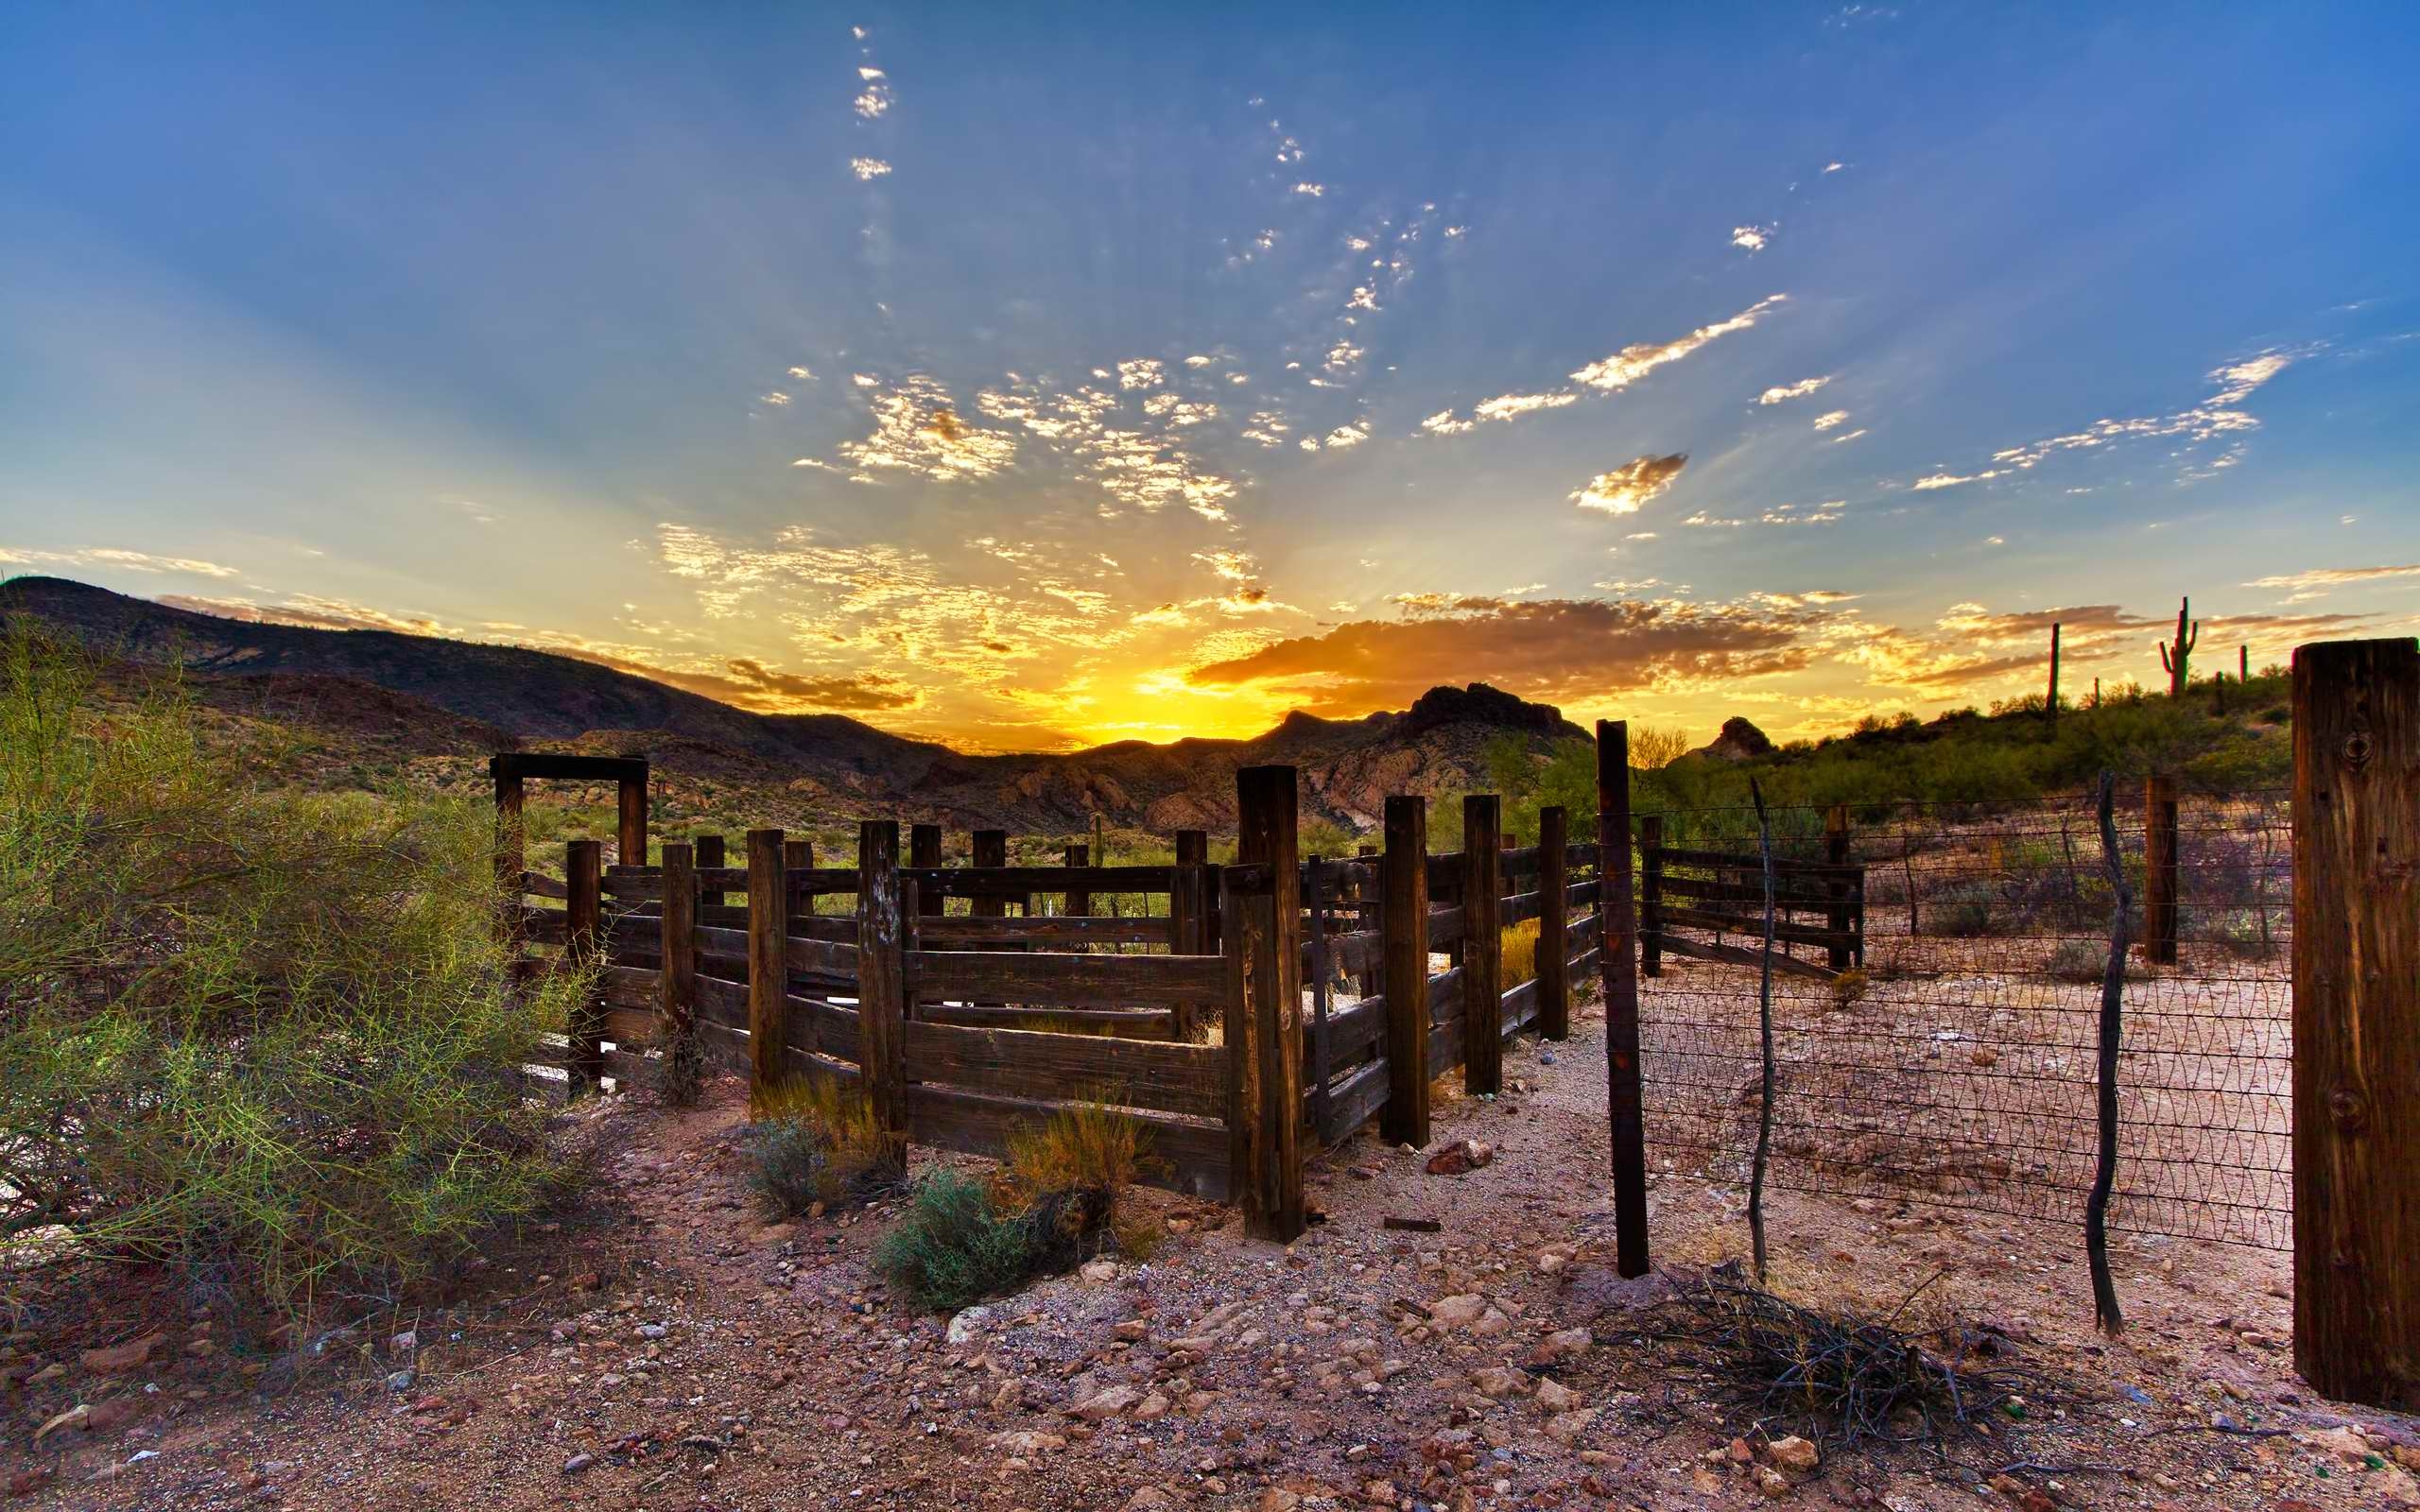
x=1251 y=1022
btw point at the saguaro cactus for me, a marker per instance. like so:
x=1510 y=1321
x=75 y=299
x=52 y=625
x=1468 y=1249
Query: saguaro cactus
x=2174 y=655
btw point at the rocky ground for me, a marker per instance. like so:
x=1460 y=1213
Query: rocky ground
x=667 y=1349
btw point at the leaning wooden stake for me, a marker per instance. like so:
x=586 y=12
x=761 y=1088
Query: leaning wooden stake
x=1403 y=877
x=2160 y=872
x=1618 y=964
x=1765 y=1040
x=2105 y=1312
x=769 y=972
x=2357 y=1020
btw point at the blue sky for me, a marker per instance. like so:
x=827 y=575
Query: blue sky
x=1036 y=382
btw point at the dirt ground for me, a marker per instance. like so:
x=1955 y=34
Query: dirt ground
x=664 y=1349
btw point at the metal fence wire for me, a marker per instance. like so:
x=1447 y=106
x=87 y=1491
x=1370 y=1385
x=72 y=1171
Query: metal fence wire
x=1956 y=1066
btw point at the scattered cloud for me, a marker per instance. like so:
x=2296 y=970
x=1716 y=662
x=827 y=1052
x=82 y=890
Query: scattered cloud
x=1606 y=375
x=1827 y=422
x=1751 y=237
x=311 y=612
x=868 y=169
x=1783 y=394
x=1627 y=487
x=918 y=430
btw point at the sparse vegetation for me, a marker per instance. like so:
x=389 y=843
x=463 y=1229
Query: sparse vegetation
x=262 y=1039
x=953 y=1247
x=816 y=1141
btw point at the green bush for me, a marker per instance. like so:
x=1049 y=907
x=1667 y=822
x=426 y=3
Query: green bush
x=816 y=1141
x=267 y=1041
x=953 y=1247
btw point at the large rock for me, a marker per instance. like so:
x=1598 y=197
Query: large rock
x=1738 y=741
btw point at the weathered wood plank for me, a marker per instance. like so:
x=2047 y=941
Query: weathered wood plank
x=1742 y=955
x=1554 y=918
x=1482 y=943
x=1045 y=929
x=769 y=919
x=1004 y=975
x=1170 y=1078
x=882 y=985
x=1195 y=1150
x=1618 y=968
x=1354 y=1101
x=1406 y=929
x=1018 y=882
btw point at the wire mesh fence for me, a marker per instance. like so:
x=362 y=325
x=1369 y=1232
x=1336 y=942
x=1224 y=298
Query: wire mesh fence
x=1942 y=1048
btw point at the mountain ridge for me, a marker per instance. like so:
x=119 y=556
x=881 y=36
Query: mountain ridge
x=529 y=697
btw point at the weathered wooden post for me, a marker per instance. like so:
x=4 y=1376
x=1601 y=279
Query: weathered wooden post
x=630 y=842
x=1264 y=1019
x=1189 y=916
x=583 y=946
x=924 y=854
x=511 y=857
x=679 y=1003
x=1402 y=878
x=1650 y=895
x=1080 y=899
x=1554 y=882
x=1482 y=946
x=1193 y=849
x=769 y=972
x=2357 y=1020
x=882 y=980
x=2159 y=869
x=1186 y=911
x=708 y=850
x=1838 y=954
x=1618 y=964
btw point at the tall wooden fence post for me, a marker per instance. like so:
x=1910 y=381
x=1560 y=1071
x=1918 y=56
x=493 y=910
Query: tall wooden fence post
x=630 y=842
x=769 y=971
x=1403 y=876
x=2357 y=1020
x=680 y=948
x=2159 y=869
x=1650 y=895
x=1553 y=967
x=583 y=945
x=1836 y=887
x=1080 y=899
x=1193 y=849
x=707 y=848
x=1186 y=910
x=510 y=857
x=1482 y=946
x=924 y=854
x=882 y=980
x=1268 y=1062
x=1618 y=963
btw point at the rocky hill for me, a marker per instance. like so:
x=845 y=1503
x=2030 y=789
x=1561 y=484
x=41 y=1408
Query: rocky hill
x=446 y=697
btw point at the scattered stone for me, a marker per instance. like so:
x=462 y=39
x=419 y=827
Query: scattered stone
x=1455 y=1159
x=1554 y=1397
x=1793 y=1454
x=77 y=1416
x=577 y=1463
x=1106 y=1404
x=968 y=1323
x=119 y=1358
x=1458 y=1310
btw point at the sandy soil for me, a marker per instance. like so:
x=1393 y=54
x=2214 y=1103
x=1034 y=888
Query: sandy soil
x=665 y=1349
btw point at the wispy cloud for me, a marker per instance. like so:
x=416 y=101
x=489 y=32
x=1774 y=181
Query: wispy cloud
x=2317 y=582
x=117 y=556
x=1606 y=375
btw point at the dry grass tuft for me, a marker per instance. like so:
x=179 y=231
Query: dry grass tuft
x=815 y=1140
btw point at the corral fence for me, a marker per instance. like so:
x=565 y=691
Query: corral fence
x=1244 y=1016
x=1944 y=1024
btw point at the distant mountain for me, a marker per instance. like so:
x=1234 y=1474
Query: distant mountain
x=454 y=695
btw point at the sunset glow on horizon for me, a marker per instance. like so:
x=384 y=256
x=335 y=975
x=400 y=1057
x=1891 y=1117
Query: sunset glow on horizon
x=1036 y=384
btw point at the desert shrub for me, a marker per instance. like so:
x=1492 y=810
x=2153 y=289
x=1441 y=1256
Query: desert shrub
x=1076 y=1168
x=2079 y=960
x=954 y=1247
x=676 y=1073
x=1963 y=910
x=814 y=1140
x=265 y=1040
x=1850 y=988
